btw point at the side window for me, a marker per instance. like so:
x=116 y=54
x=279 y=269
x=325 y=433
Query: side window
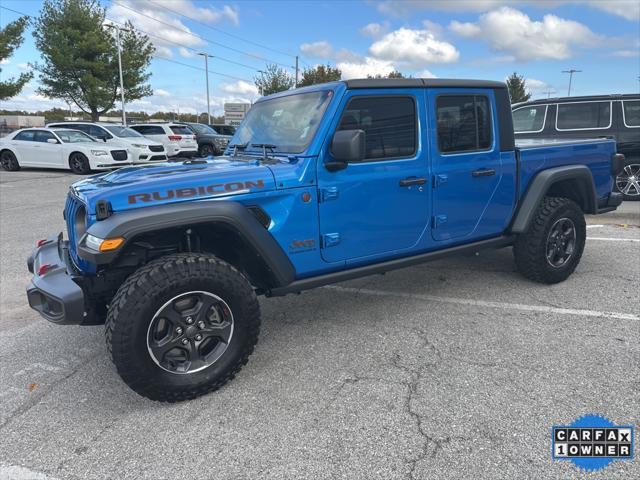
x=464 y=123
x=81 y=127
x=26 y=136
x=43 y=136
x=389 y=124
x=529 y=119
x=585 y=115
x=98 y=132
x=631 y=112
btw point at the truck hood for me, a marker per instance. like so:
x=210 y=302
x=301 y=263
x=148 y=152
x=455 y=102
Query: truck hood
x=147 y=185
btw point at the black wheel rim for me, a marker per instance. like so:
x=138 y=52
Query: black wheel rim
x=561 y=242
x=190 y=332
x=6 y=160
x=206 y=151
x=628 y=182
x=77 y=163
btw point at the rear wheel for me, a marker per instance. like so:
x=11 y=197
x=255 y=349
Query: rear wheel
x=182 y=326
x=550 y=250
x=628 y=182
x=8 y=161
x=79 y=163
x=207 y=150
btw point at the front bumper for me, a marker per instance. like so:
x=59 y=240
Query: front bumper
x=53 y=293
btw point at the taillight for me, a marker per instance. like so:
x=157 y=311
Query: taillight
x=175 y=138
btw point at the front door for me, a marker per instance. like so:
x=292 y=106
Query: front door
x=379 y=206
x=467 y=166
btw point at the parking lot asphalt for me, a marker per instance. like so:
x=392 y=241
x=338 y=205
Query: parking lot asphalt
x=451 y=369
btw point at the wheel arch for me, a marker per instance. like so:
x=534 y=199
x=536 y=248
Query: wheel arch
x=573 y=182
x=226 y=229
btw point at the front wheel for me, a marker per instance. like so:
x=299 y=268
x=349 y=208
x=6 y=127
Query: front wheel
x=550 y=250
x=207 y=150
x=182 y=326
x=79 y=164
x=628 y=182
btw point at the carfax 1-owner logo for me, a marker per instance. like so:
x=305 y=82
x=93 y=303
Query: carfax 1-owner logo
x=592 y=442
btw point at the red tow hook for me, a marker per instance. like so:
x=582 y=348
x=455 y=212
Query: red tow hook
x=44 y=268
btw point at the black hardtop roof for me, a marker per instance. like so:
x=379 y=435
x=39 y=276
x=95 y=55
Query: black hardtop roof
x=421 y=83
x=583 y=98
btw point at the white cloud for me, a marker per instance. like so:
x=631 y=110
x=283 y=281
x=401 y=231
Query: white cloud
x=413 y=48
x=321 y=49
x=5 y=61
x=240 y=88
x=159 y=92
x=425 y=74
x=511 y=31
x=186 y=53
x=628 y=9
x=375 y=30
x=626 y=53
x=368 y=66
x=24 y=66
x=161 y=24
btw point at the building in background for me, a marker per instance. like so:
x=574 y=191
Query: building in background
x=234 y=112
x=10 y=123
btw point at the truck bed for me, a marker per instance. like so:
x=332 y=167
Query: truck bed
x=596 y=154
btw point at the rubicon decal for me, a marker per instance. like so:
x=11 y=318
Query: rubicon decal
x=200 y=191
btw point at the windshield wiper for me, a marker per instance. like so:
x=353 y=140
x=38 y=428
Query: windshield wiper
x=265 y=147
x=238 y=146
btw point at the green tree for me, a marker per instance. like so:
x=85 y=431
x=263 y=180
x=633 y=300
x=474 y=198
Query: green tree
x=319 y=74
x=273 y=80
x=80 y=58
x=11 y=37
x=392 y=74
x=517 y=88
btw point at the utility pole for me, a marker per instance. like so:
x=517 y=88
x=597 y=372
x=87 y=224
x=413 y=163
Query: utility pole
x=206 y=73
x=549 y=92
x=262 y=74
x=570 y=72
x=118 y=29
x=297 y=70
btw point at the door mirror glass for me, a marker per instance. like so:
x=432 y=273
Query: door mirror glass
x=347 y=146
x=52 y=140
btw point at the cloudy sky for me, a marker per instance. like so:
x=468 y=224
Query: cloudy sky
x=485 y=39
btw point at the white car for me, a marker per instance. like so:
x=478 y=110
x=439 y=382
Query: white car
x=178 y=139
x=141 y=150
x=59 y=148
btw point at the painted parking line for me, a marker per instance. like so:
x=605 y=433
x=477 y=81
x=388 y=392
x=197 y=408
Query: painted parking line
x=595 y=226
x=482 y=303
x=609 y=239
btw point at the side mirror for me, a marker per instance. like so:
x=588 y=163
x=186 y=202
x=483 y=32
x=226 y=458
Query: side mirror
x=52 y=140
x=347 y=146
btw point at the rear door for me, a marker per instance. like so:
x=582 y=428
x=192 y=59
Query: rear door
x=467 y=165
x=24 y=145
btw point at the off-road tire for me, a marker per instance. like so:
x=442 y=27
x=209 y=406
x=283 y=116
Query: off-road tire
x=530 y=249
x=8 y=161
x=208 y=150
x=79 y=163
x=145 y=291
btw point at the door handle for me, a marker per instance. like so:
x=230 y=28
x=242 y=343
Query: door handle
x=407 y=182
x=483 y=172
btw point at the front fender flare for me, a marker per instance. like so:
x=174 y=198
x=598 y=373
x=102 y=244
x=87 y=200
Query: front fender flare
x=129 y=224
x=541 y=184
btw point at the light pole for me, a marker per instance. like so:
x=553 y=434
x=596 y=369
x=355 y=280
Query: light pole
x=206 y=75
x=570 y=72
x=118 y=29
x=262 y=74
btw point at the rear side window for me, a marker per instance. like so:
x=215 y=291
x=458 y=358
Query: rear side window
x=181 y=130
x=584 y=115
x=529 y=119
x=388 y=122
x=631 y=112
x=464 y=123
x=26 y=136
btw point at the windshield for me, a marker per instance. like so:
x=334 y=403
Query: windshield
x=202 y=129
x=122 y=132
x=288 y=122
x=73 y=136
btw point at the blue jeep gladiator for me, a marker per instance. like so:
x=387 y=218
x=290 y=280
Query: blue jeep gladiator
x=319 y=185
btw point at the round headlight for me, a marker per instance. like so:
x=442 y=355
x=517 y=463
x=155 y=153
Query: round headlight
x=80 y=222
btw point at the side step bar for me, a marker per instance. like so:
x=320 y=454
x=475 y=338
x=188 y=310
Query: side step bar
x=329 y=278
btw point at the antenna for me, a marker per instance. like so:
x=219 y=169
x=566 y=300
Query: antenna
x=570 y=72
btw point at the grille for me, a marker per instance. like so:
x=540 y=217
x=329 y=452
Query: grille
x=119 y=155
x=157 y=157
x=72 y=209
x=156 y=148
